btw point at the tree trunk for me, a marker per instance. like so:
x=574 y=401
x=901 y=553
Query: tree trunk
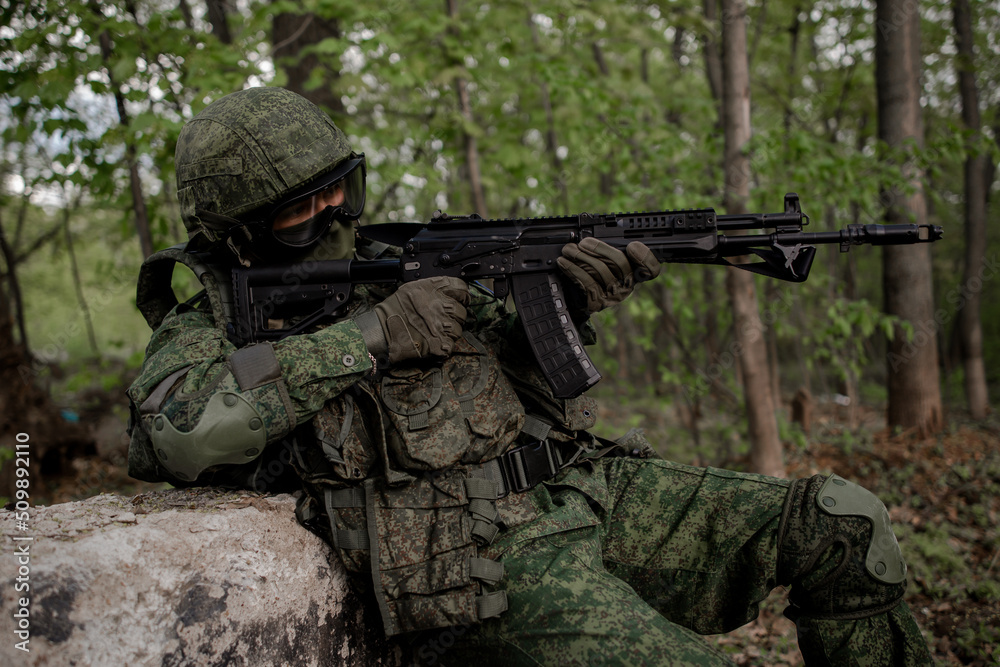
x=713 y=62
x=607 y=180
x=30 y=418
x=290 y=34
x=914 y=387
x=710 y=293
x=970 y=326
x=17 y=309
x=185 y=10
x=81 y=299
x=849 y=261
x=219 y=18
x=470 y=144
x=750 y=347
x=551 y=138
x=771 y=336
x=135 y=182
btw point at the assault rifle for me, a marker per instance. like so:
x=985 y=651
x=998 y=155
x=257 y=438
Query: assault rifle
x=519 y=255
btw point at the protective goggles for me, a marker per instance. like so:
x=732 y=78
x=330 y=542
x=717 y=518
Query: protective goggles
x=306 y=216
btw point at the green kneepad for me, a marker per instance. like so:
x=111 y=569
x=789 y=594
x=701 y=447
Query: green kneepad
x=838 y=551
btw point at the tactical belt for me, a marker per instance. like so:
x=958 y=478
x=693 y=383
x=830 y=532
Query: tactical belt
x=523 y=468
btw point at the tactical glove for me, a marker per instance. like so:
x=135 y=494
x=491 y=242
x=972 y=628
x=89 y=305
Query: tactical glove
x=421 y=319
x=606 y=275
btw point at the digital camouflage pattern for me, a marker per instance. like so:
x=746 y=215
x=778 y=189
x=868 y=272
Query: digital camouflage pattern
x=188 y=339
x=346 y=432
x=309 y=370
x=627 y=572
x=892 y=638
x=620 y=559
x=426 y=551
x=417 y=522
x=462 y=410
x=833 y=590
x=248 y=150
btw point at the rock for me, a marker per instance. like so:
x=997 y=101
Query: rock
x=179 y=577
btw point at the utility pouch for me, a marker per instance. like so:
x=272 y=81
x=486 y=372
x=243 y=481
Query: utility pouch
x=343 y=437
x=461 y=410
x=420 y=543
x=568 y=416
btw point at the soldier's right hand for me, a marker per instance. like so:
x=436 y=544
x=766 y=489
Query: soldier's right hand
x=422 y=318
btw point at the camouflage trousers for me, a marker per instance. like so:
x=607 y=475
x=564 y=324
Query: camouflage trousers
x=630 y=563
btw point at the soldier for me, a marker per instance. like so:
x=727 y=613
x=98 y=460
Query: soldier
x=436 y=461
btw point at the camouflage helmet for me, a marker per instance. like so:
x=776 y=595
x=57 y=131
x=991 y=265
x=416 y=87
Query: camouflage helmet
x=247 y=152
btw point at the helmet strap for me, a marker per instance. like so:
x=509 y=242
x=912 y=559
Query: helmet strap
x=216 y=223
x=235 y=249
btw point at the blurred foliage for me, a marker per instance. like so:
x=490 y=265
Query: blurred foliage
x=577 y=106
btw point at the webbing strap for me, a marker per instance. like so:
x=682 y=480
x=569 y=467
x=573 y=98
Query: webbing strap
x=152 y=404
x=255 y=366
x=418 y=421
x=331 y=453
x=468 y=406
x=477 y=487
x=349 y=539
x=467 y=401
x=485 y=569
x=535 y=427
x=388 y=622
x=349 y=497
x=483 y=509
x=485 y=532
x=342 y=498
x=332 y=448
x=520 y=480
x=491 y=604
x=155 y=297
x=494 y=474
x=482 y=494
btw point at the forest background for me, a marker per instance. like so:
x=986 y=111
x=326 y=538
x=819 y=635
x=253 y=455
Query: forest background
x=530 y=108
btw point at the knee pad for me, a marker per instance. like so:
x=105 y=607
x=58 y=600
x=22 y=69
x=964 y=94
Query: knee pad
x=837 y=550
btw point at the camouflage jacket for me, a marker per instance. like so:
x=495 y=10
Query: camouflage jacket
x=399 y=466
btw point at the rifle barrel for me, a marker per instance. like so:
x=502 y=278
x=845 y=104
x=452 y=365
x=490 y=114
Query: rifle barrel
x=853 y=235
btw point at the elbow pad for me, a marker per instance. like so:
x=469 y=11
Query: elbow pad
x=230 y=431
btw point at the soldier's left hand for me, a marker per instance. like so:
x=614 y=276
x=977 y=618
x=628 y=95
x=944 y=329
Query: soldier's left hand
x=604 y=274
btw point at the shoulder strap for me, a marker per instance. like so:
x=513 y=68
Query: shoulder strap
x=155 y=297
